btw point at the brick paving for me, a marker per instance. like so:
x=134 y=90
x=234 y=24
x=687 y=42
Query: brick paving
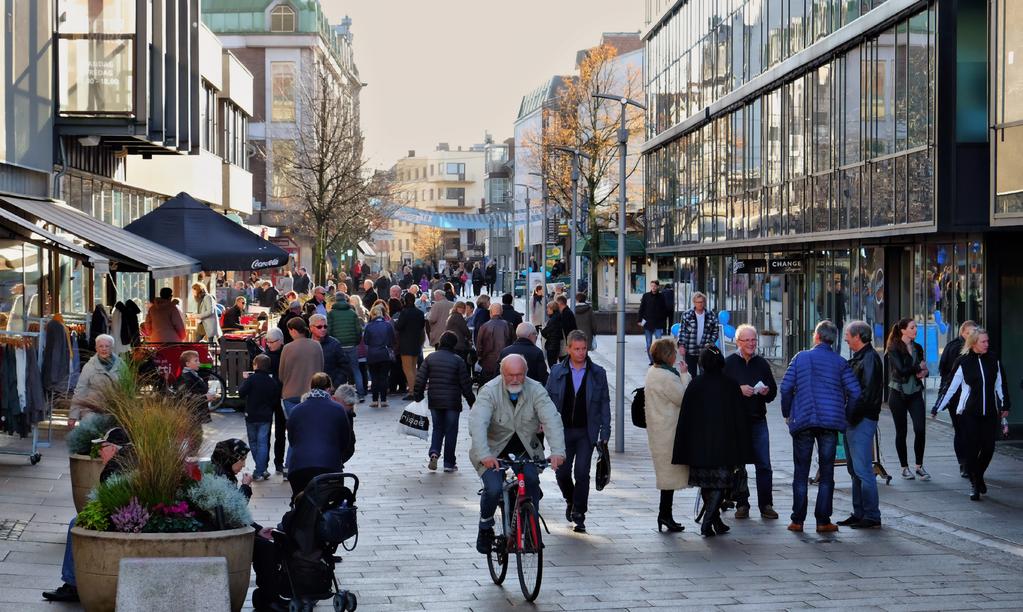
x=416 y=550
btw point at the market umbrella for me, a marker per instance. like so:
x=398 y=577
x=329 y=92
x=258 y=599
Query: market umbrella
x=191 y=228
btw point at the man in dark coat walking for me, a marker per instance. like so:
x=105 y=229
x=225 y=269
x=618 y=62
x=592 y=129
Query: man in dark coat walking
x=508 y=312
x=446 y=377
x=859 y=435
x=525 y=345
x=653 y=313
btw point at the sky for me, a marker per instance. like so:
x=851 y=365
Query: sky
x=450 y=70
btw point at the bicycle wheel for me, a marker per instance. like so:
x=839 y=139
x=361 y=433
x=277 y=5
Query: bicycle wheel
x=528 y=550
x=212 y=376
x=497 y=558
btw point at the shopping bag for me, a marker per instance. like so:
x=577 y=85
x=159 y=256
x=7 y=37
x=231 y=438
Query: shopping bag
x=415 y=421
x=603 y=465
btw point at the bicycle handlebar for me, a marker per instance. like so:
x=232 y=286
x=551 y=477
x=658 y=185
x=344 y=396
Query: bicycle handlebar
x=513 y=461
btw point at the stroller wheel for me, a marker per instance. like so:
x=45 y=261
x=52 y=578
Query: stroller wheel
x=300 y=606
x=345 y=602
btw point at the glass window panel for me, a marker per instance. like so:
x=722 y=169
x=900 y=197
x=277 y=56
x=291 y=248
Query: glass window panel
x=822 y=141
x=819 y=205
x=96 y=75
x=852 y=115
x=797 y=190
x=753 y=214
x=921 y=186
x=918 y=110
x=92 y=17
x=901 y=67
x=776 y=31
x=851 y=10
x=900 y=189
x=797 y=21
x=754 y=43
x=849 y=198
x=975 y=280
x=282 y=75
x=884 y=93
x=1010 y=61
x=796 y=128
x=882 y=194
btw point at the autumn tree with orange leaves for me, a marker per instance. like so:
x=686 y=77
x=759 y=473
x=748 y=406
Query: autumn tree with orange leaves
x=579 y=121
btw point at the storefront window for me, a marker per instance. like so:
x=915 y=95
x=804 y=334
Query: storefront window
x=19 y=284
x=96 y=47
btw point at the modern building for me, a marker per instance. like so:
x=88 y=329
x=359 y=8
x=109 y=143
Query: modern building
x=499 y=239
x=444 y=181
x=284 y=44
x=812 y=160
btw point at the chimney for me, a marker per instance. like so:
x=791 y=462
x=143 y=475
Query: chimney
x=443 y=146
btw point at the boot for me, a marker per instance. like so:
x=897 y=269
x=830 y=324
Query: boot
x=974 y=488
x=712 y=510
x=664 y=518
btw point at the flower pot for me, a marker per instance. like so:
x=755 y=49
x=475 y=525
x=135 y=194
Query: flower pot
x=98 y=556
x=85 y=473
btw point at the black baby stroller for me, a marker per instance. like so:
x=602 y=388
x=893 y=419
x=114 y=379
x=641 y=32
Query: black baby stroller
x=321 y=519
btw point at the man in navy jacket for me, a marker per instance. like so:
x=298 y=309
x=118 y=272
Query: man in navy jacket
x=578 y=388
x=817 y=395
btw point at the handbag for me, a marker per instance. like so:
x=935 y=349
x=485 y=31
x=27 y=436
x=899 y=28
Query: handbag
x=639 y=408
x=603 y=465
x=414 y=420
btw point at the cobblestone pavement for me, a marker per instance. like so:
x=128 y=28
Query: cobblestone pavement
x=416 y=551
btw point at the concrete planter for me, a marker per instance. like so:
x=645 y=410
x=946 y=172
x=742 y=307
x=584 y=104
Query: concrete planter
x=98 y=555
x=85 y=473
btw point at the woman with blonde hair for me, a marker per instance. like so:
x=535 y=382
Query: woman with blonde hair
x=664 y=388
x=979 y=380
x=379 y=337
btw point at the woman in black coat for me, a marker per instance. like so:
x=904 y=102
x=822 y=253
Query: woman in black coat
x=553 y=335
x=411 y=327
x=712 y=428
x=446 y=376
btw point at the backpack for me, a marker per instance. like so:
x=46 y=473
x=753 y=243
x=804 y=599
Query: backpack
x=639 y=408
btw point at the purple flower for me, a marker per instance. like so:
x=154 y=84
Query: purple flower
x=131 y=518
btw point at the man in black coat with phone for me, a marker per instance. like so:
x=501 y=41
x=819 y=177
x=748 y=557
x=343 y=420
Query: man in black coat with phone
x=525 y=345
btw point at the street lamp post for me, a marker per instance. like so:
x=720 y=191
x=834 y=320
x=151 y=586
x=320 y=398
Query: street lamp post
x=623 y=147
x=573 y=230
x=543 y=234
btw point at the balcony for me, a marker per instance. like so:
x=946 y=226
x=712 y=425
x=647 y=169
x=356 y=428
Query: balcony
x=113 y=88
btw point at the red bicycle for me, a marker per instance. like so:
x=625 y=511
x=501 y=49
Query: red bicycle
x=520 y=530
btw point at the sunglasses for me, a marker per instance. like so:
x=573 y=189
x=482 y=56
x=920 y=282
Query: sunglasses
x=319 y=327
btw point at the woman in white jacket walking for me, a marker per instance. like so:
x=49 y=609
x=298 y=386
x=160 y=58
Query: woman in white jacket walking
x=665 y=385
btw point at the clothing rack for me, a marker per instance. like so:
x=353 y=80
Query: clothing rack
x=32 y=454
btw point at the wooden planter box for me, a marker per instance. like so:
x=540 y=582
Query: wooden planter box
x=98 y=556
x=85 y=473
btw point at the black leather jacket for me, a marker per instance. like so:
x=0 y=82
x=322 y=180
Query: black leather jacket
x=866 y=366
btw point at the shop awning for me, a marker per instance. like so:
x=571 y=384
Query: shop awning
x=367 y=249
x=130 y=252
x=35 y=234
x=609 y=245
x=188 y=226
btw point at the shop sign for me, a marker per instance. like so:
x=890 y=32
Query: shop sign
x=749 y=266
x=786 y=265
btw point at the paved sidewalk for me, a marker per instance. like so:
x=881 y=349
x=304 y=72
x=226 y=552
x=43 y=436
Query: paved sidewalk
x=416 y=551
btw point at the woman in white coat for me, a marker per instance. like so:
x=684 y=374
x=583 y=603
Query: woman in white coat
x=208 y=326
x=665 y=385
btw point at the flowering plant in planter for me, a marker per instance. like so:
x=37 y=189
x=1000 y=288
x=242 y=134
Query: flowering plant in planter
x=156 y=490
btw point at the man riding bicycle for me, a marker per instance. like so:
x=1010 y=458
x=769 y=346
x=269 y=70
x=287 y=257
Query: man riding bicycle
x=506 y=420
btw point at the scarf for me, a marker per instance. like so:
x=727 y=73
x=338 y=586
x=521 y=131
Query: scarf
x=320 y=393
x=670 y=369
x=108 y=364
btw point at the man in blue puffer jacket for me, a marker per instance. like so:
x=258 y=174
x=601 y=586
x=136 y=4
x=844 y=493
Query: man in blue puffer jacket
x=817 y=394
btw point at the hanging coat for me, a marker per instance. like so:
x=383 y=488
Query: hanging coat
x=56 y=357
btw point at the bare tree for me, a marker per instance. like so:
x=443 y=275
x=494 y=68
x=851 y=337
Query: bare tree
x=337 y=201
x=578 y=120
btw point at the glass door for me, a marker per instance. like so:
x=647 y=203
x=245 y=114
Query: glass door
x=794 y=337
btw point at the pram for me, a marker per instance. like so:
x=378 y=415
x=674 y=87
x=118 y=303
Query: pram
x=321 y=519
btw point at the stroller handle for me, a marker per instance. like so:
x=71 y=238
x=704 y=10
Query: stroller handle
x=335 y=476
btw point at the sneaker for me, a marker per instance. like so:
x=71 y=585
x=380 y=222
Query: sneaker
x=485 y=540
x=433 y=463
x=797 y=527
x=922 y=473
x=580 y=523
x=384 y=404
x=768 y=512
x=362 y=399
x=827 y=528
x=866 y=524
x=907 y=475
x=963 y=473
x=64 y=592
x=266 y=475
x=374 y=404
x=451 y=470
x=742 y=512
x=849 y=522
x=285 y=474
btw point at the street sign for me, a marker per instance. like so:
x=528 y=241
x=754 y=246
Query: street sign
x=551 y=225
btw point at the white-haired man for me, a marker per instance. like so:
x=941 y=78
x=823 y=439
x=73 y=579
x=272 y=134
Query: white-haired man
x=506 y=420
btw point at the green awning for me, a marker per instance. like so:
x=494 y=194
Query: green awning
x=634 y=245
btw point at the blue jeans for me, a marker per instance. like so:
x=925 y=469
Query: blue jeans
x=445 y=430
x=259 y=443
x=859 y=449
x=651 y=335
x=289 y=405
x=67 y=569
x=352 y=353
x=493 y=481
x=762 y=461
x=802 y=452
